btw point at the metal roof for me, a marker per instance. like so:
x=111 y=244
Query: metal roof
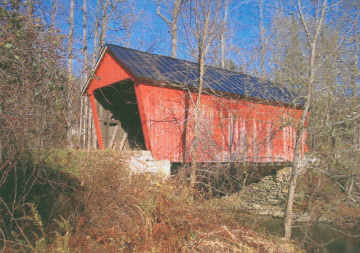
x=184 y=74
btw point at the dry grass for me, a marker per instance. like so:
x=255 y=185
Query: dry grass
x=144 y=213
x=116 y=211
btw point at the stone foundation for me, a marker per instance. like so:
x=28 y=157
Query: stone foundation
x=143 y=162
x=266 y=197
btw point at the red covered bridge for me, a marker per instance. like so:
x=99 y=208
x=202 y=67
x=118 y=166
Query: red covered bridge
x=152 y=98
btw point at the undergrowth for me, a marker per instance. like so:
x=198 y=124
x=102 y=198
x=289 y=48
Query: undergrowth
x=90 y=202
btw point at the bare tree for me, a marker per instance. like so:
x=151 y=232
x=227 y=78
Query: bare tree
x=96 y=32
x=104 y=22
x=312 y=40
x=223 y=32
x=172 y=23
x=70 y=39
x=224 y=51
x=104 y=12
x=128 y=20
x=85 y=50
x=262 y=39
x=53 y=14
x=356 y=41
x=70 y=74
x=85 y=115
x=30 y=10
x=204 y=26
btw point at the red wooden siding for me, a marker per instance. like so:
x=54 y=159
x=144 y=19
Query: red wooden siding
x=143 y=116
x=107 y=73
x=230 y=129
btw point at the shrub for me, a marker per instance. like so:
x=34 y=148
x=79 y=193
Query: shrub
x=32 y=197
x=145 y=213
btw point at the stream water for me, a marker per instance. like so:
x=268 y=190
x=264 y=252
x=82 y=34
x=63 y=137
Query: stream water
x=321 y=238
x=327 y=239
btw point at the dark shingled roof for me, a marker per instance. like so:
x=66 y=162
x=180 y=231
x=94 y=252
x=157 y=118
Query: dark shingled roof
x=185 y=74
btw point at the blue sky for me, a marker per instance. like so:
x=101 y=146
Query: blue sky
x=243 y=23
x=150 y=33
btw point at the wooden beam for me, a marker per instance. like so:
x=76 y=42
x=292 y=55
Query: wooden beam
x=142 y=113
x=96 y=122
x=113 y=136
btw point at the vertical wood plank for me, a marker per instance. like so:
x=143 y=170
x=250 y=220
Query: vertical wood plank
x=96 y=122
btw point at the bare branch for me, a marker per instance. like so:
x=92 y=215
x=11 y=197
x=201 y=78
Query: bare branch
x=162 y=16
x=302 y=18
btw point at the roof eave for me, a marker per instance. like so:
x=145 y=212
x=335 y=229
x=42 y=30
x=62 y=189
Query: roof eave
x=212 y=92
x=92 y=72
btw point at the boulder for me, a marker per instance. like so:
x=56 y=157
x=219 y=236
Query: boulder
x=143 y=162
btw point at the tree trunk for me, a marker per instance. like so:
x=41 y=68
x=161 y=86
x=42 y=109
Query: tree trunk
x=173 y=40
x=30 y=10
x=222 y=35
x=69 y=65
x=172 y=24
x=262 y=39
x=355 y=65
x=90 y=130
x=70 y=39
x=203 y=43
x=53 y=15
x=297 y=162
x=197 y=123
x=96 y=32
x=104 y=23
x=84 y=105
x=173 y=29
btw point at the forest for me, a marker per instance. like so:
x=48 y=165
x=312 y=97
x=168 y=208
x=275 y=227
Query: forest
x=59 y=193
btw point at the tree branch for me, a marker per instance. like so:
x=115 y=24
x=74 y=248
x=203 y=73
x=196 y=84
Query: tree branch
x=167 y=21
x=307 y=31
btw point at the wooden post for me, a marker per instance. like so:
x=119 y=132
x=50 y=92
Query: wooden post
x=96 y=122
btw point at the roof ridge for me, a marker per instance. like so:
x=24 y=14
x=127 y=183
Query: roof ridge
x=142 y=65
x=191 y=62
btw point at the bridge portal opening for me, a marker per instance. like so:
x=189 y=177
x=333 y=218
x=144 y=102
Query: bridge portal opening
x=119 y=115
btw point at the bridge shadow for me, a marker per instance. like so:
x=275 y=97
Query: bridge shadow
x=33 y=197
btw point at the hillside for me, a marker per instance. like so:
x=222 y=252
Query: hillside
x=89 y=202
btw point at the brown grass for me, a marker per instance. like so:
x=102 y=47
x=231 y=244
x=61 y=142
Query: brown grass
x=144 y=213
x=108 y=209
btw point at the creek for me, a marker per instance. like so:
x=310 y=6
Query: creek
x=319 y=238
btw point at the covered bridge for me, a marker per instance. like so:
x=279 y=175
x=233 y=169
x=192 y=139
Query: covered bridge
x=152 y=98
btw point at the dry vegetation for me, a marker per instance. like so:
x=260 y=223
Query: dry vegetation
x=89 y=202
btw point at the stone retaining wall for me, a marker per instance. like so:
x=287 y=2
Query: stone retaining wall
x=266 y=197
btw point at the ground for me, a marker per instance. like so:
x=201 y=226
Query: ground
x=90 y=202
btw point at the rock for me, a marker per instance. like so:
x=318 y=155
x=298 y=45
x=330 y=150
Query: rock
x=275 y=201
x=142 y=162
x=302 y=218
x=143 y=155
x=283 y=175
x=278 y=213
x=266 y=197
